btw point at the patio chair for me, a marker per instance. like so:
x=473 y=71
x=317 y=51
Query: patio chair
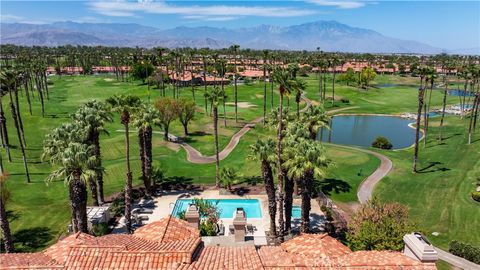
x=145 y=211
x=220 y=229
x=250 y=228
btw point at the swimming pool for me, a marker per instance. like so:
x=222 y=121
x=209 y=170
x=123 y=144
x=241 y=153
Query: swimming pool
x=296 y=212
x=226 y=206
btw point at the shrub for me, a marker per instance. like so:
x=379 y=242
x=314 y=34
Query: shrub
x=379 y=226
x=382 y=143
x=345 y=100
x=207 y=229
x=328 y=212
x=476 y=196
x=100 y=229
x=181 y=214
x=465 y=251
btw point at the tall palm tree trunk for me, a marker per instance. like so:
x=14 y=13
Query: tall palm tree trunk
x=264 y=93
x=19 y=136
x=421 y=94
x=99 y=172
x=224 y=100
x=3 y=126
x=79 y=203
x=20 y=122
x=5 y=225
x=288 y=204
x=306 y=201
x=236 y=92
x=472 y=117
x=270 y=189
x=27 y=94
x=145 y=140
x=128 y=182
x=217 y=158
x=427 y=112
x=280 y=175
x=333 y=88
x=440 y=135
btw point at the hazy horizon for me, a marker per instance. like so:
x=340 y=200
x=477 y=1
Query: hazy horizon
x=443 y=24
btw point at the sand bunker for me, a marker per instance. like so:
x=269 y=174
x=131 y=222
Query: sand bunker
x=108 y=79
x=242 y=105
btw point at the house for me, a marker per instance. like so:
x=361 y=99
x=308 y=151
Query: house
x=171 y=243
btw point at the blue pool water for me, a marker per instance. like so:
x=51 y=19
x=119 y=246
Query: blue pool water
x=296 y=212
x=226 y=206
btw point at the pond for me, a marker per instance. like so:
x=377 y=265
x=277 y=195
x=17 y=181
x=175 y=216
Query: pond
x=361 y=130
x=460 y=93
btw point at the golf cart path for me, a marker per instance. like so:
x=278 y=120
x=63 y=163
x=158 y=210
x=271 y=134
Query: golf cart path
x=194 y=156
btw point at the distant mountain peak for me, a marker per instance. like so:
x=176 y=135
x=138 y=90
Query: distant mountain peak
x=330 y=35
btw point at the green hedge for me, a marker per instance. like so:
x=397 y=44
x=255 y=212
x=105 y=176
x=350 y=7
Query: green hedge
x=465 y=251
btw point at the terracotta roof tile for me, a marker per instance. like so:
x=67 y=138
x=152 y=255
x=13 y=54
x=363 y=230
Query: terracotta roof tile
x=273 y=256
x=27 y=261
x=238 y=258
x=316 y=249
x=167 y=230
x=83 y=258
x=59 y=251
x=380 y=260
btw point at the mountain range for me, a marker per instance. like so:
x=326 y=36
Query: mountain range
x=328 y=35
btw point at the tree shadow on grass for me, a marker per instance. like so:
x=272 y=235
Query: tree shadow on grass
x=193 y=135
x=433 y=166
x=12 y=215
x=178 y=183
x=253 y=180
x=337 y=186
x=30 y=240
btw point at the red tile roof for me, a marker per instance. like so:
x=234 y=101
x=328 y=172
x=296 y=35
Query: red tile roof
x=166 y=230
x=216 y=258
x=171 y=243
x=381 y=260
x=59 y=251
x=27 y=261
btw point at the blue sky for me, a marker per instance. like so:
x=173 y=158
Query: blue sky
x=444 y=24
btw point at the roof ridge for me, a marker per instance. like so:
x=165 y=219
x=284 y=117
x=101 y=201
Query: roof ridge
x=166 y=228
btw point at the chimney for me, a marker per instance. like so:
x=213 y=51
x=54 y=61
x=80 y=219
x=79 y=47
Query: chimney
x=193 y=216
x=239 y=223
x=419 y=248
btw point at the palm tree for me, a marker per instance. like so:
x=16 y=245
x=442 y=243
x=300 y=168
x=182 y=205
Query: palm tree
x=228 y=176
x=55 y=144
x=235 y=49
x=423 y=72
x=74 y=164
x=93 y=116
x=126 y=105
x=445 y=92
x=305 y=161
x=4 y=224
x=286 y=85
x=214 y=96
x=265 y=57
x=144 y=119
x=431 y=77
x=264 y=150
x=315 y=117
x=8 y=80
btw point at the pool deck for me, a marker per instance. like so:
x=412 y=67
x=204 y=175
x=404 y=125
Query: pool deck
x=163 y=206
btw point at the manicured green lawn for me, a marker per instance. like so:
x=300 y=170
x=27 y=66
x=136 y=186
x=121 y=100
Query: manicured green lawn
x=439 y=200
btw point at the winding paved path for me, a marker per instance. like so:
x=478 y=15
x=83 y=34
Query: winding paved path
x=194 y=156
